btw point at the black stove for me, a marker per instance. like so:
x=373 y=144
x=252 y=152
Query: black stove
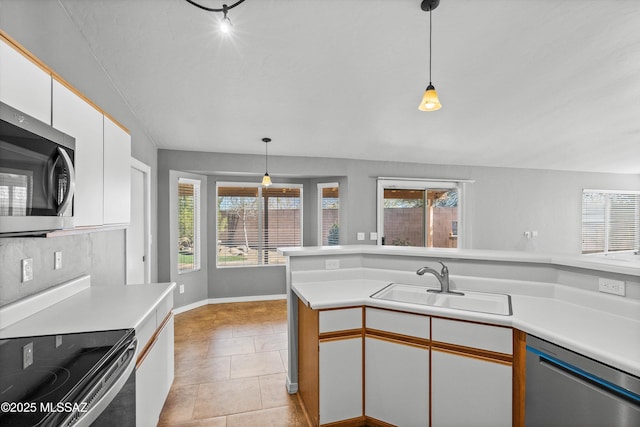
x=43 y=379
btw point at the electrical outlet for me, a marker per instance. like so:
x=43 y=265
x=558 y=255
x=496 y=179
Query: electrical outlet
x=182 y=289
x=58 y=340
x=57 y=260
x=27 y=355
x=610 y=286
x=331 y=264
x=360 y=236
x=373 y=235
x=27 y=269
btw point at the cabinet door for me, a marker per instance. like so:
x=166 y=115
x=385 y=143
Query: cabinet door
x=74 y=116
x=154 y=378
x=396 y=382
x=467 y=391
x=24 y=85
x=117 y=174
x=340 y=379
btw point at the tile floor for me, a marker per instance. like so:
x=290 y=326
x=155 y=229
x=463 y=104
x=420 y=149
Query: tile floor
x=230 y=367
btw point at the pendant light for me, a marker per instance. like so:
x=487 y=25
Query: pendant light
x=266 y=179
x=430 y=101
x=225 y=23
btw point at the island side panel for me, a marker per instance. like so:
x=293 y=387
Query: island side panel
x=308 y=361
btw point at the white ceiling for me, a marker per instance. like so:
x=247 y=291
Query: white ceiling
x=529 y=84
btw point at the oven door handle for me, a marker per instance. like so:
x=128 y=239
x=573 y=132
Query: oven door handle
x=87 y=415
x=71 y=186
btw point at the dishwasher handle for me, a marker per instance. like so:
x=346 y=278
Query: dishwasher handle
x=583 y=377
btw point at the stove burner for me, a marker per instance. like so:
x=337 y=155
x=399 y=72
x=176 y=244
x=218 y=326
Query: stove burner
x=50 y=380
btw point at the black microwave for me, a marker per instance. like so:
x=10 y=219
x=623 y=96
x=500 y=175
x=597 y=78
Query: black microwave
x=37 y=177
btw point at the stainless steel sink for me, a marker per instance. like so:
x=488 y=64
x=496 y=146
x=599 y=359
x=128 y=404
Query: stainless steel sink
x=483 y=302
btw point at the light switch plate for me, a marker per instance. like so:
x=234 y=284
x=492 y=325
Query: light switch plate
x=181 y=289
x=27 y=269
x=360 y=236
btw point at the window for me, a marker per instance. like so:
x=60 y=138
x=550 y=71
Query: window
x=253 y=221
x=419 y=213
x=328 y=214
x=610 y=221
x=188 y=225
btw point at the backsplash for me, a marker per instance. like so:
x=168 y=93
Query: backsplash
x=100 y=254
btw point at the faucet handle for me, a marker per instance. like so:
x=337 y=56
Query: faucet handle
x=445 y=269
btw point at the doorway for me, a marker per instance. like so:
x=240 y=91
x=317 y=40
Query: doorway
x=139 y=230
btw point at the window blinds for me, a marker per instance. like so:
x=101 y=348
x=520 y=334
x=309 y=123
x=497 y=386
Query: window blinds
x=610 y=221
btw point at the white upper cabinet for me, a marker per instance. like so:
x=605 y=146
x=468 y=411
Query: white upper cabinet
x=117 y=174
x=24 y=85
x=74 y=116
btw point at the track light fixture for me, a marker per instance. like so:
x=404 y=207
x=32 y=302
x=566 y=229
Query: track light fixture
x=225 y=23
x=430 y=101
x=266 y=179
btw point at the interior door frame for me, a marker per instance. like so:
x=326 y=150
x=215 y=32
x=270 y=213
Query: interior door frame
x=146 y=172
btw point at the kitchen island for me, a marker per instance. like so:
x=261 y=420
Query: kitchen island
x=555 y=298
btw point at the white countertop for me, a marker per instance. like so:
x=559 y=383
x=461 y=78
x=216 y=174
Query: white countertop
x=602 y=327
x=97 y=308
x=614 y=264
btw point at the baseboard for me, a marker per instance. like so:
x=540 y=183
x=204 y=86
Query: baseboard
x=252 y=298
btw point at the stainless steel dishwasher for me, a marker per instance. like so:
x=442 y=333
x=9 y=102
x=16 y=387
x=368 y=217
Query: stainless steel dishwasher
x=564 y=389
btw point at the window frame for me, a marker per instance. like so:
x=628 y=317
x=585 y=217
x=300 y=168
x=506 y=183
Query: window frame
x=607 y=242
x=321 y=186
x=425 y=184
x=197 y=213
x=259 y=186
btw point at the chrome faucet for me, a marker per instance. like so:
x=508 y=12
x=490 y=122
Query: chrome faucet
x=443 y=278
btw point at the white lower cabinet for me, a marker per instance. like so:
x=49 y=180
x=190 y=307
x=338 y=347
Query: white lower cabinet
x=467 y=391
x=155 y=365
x=396 y=382
x=154 y=377
x=340 y=382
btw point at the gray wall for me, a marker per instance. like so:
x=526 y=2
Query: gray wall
x=502 y=203
x=45 y=30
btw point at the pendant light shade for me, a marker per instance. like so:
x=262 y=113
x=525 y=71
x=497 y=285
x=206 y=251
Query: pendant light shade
x=266 y=179
x=430 y=101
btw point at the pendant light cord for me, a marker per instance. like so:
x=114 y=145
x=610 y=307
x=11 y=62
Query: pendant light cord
x=266 y=158
x=224 y=8
x=430 y=49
